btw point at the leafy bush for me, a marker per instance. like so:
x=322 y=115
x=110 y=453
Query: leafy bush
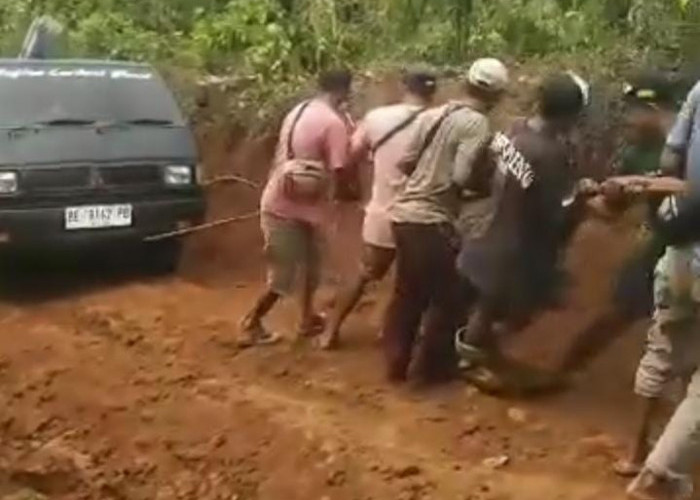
x=275 y=44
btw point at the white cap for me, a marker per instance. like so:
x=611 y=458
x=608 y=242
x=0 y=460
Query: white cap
x=489 y=74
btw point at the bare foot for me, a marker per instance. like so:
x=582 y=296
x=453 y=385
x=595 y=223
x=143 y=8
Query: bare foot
x=255 y=334
x=329 y=341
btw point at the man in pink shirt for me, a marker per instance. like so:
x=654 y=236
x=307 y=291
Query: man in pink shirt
x=317 y=134
x=383 y=135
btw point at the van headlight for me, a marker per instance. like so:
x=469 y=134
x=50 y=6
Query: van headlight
x=178 y=175
x=8 y=182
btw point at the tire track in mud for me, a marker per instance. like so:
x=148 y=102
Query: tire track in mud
x=388 y=452
x=329 y=410
x=163 y=406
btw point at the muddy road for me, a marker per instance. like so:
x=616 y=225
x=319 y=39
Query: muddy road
x=128 y=387
x=114 y=385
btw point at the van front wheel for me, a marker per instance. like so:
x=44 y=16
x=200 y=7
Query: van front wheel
x=163 y=257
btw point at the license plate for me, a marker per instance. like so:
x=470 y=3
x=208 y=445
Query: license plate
x=98 y=216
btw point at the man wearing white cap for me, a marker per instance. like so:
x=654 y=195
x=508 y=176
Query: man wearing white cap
x=442 y=161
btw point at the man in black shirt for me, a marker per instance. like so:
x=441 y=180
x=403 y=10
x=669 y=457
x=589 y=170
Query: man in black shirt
x=512 y=263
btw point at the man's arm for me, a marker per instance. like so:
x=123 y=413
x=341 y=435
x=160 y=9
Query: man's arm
x=671 y=163
x=360 y=144
x=337 y=146
x=345 y=182
x=674 y=154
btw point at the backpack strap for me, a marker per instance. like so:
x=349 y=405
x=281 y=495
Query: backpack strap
x=430 y=136
x=398 y=128
x=290 y=135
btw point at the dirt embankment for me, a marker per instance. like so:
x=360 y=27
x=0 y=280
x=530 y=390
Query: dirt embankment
x=234 y=250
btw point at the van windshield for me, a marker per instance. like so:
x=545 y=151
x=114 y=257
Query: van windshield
x=73 y=95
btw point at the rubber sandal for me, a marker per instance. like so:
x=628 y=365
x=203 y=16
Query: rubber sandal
x=316 y=328
x=268 y=338
x=507 y=378
x=626 y=469
x=470 y=356
x=258 y=336
x=318 y=324
x=484 y=379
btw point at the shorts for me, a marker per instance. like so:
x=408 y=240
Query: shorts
x=291 y=246
x=377 y=231
x=673 y=342
x=632 y=292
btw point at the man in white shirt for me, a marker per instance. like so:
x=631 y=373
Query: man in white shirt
x=383 y=134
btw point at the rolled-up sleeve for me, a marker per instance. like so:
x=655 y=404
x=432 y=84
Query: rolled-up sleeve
x=474 y=139
x=360 y=142
x=338 y=145
x=679 y=137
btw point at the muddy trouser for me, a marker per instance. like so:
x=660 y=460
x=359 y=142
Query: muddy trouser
x=634 y=283
x=291 y=247
x=427 y=288
x=673 y=340
x=678 y=450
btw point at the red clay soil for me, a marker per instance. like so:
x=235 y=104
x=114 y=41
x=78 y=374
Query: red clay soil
x=136 y=390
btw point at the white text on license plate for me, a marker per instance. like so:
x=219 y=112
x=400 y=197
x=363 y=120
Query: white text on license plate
x=98 y=216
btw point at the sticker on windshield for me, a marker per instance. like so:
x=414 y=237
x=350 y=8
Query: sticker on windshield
x=114 y=74
x=129 y=75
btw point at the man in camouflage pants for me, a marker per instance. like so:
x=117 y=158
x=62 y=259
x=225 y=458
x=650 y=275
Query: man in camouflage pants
x=671 y=348
x=672 y=352
x=666 y=474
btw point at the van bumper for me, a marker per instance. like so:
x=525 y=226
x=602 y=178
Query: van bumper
x=46 y=226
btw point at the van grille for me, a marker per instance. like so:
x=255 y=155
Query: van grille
x=51 y=179
x=131 y=175
x=87 y=177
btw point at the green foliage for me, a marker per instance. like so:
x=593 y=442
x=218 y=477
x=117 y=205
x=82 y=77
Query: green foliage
x=276 y=37
x=274 y=44
x=252 y=32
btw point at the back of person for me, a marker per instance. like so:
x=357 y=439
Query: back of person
x=441 y=156
x=319 y=134
x=685 y=139
x=513 y=264
x=318 y=126
x=546 y=204
x=388 y=180
x=531 y=183
x=312 y=155
x=383 y=136
x=430 y=196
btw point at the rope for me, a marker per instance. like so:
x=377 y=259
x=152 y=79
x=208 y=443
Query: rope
x=216 y=223
x=230 y=178
x=201 y=227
